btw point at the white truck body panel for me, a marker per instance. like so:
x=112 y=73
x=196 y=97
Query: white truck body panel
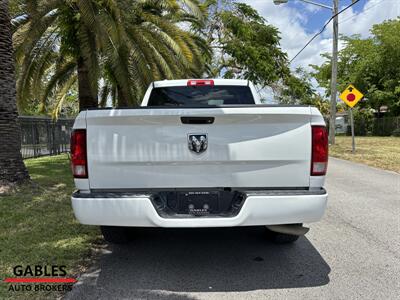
x=248 y=147
x=257 y=210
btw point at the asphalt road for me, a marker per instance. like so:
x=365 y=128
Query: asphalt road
x=353 y=253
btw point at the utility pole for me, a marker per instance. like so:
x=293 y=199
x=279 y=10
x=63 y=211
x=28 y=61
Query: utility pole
x=332 y=113
x=334 y=9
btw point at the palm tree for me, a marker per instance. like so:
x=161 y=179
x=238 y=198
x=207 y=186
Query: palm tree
x=12 y=168
x=126 y=43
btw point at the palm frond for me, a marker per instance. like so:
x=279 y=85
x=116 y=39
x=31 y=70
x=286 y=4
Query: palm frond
x=61 y=95
x=61 y=75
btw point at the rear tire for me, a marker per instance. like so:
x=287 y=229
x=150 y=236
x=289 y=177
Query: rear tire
x=115 y=234
x=281 y=238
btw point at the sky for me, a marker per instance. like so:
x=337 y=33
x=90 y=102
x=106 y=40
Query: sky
x=298 y=22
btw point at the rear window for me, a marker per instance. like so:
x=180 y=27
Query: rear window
x=201 y=96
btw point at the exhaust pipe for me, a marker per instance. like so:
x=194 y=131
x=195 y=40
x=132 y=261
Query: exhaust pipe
x=293 y=229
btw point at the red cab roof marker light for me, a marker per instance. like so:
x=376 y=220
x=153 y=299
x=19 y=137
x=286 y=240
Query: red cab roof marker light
x=200 y=82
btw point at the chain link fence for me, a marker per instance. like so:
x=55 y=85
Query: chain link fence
x=386 y=126
x=43 y=136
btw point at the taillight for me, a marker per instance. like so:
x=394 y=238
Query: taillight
x=200 y=82
x=319 y=156
x=78 y=153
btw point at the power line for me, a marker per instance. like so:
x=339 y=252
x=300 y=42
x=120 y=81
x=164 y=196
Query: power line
x=352 y=17
x=322 y=29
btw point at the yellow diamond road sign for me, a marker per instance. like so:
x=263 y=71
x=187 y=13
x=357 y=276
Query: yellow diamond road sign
x=351 y=96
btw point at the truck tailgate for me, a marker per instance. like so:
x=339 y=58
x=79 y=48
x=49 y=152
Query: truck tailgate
x=256 y=146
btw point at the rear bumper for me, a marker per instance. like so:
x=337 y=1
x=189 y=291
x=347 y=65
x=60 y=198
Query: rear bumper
x=260 y=208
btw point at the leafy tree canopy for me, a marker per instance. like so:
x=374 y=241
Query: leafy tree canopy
x=244 y=45
x=125 y=44
x=297 y=88
x=372 y=65
x=112 y=49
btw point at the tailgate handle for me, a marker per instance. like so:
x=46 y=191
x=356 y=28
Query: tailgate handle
x=197 y=120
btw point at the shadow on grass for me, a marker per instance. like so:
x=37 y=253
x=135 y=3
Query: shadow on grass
x=37 y=226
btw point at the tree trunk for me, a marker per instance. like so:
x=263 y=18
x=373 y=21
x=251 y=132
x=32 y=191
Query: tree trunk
x=122 y=98
x=12 y=167
x=87 y=97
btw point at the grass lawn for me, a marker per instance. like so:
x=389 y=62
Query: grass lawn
x=37 y=226
x=380 y=152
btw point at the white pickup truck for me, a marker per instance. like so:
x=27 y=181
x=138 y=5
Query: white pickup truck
x=200 y=153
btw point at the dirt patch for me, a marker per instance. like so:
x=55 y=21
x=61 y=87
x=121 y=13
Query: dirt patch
x=7 y=188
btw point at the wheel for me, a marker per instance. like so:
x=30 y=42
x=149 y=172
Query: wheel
x=115 y=234
x=281 y=238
